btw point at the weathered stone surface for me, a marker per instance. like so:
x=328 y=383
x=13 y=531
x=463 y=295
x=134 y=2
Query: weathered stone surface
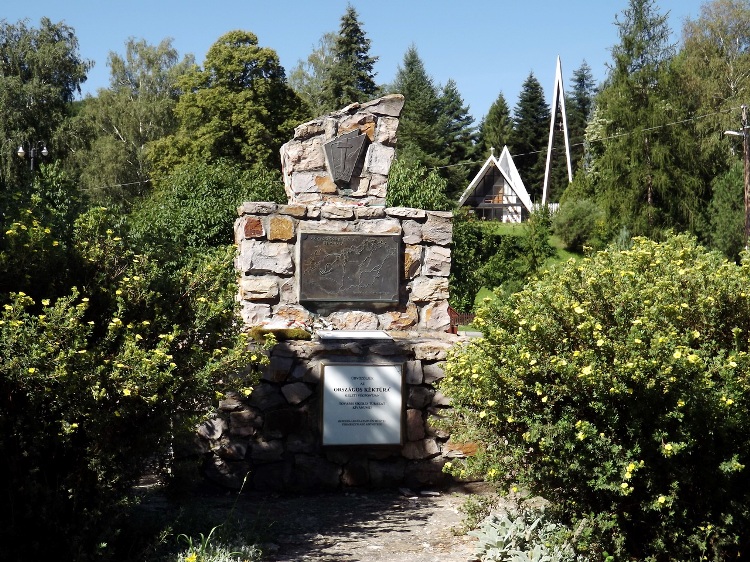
x=256 y=208
x=336 y=212
x=432 y=350
x=244 y=423
x=309 y=129
x=305 y=168
x=412 y=261
x=433 y=372
x=405 y=213
x=294 y=210
x=266 y=397
x=315 y=473
x=434 y=317
x=293 y=314
x=355 y=473
x=403 y=319
x=419 y=397
x=230 y=404
x=412 y=232
x=429 y=289
x=257 y=256
x=232 y=449
x=414 y=425
x=441 y=400
x=212 y=429
x=296 y=392
x=387 y=473
x=437 y=261
x=247 y=227
x=280 y=423
x=369 y=212
x=385 y=132
x=258 y=288
x=379 y=158
x=379 y=226
x=267 y=451
x=438 y=229
x=255 y=314
x=423 y=449
x=414 y=372
x=281 y=228
x=278 y=369
x=354 y=320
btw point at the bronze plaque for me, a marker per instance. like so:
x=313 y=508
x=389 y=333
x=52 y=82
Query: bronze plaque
x=349 y=267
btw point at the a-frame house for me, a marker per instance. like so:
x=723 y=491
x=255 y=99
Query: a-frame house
x=497 y=191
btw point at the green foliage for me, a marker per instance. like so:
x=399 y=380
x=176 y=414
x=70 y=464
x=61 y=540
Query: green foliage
x=530 y=131
x=40 y=72
x=95 y=382
x=411 y=185
x=193 y=208
x=579 y=223
x=237 y=107
x=113 y=129
x=616 y=387
x=727 y=212
x=496 y=129
x=308 y=77
x=349 y=76
x=524 y=535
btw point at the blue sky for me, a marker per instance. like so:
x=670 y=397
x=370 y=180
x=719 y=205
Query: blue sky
x=486 y=46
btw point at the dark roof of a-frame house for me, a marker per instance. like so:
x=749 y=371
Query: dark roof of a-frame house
x=478 y=188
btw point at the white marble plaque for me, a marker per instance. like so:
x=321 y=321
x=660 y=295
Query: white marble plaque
x=362 y=404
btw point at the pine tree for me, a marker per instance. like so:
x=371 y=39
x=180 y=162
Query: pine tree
x=530 y=135
x=459 y=134
x=496 y=129
x=350 y=77
x=579 y=103
x=419 y=133
x=647 y=169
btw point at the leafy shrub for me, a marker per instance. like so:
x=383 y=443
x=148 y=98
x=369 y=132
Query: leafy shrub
x=524 y=535
x=95 y=383
x=579 y=223
x=411 y=185
x=617 y=387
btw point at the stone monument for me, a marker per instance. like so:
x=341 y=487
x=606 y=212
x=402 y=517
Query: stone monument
x=351 y=405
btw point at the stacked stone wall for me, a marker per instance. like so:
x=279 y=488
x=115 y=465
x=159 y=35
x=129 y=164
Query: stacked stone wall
x=275 y=434
x=266 y=235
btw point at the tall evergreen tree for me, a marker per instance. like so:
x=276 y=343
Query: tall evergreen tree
x=496 y=129
x=459 y=134
x=350 y=77
x=647 y=170
x=579 y=103
x=530 y=134
x=419 y=133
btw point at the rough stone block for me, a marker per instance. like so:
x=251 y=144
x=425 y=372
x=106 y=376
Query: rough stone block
x=369 y=213
x=281 y=228
x=280 y=423
x=412 y=260
x=258 y=257
x=423 y=449
x=259 y=288
x=434 y=317
x=278 y=369
x=266 y=451
x=419 y=397
x=406 y=213
x=433 y=372
x=414 y=372
x=438 y=229
x=247 y=227
x=256 y=208
x=425 y=289
x=336 y=212
x=354 y=320
x=432 y=350
x=212 y=429
x=226 y=473
x=296 y=392
x=437 y=261
x=255 y=314
x=232 y=449
x=266 y=397
x=403 y=319
x=387 y=473
x=415 y=428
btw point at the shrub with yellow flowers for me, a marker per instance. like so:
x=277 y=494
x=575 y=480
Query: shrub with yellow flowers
x=617 y=387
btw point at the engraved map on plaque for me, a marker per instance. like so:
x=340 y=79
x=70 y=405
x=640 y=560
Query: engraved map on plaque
x=349 y=267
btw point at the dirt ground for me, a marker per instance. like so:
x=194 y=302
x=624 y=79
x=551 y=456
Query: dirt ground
x=362 y=525
x=375 y=526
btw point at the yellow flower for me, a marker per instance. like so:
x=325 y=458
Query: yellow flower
x=661 y=500
x=192 y=557
x=578 y=310
x=482 y=414
x=32 y=370
x=677 y=354
x=624 y=485
x=126 y=392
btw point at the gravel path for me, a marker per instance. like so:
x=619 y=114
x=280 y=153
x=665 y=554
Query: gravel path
x=366 y=527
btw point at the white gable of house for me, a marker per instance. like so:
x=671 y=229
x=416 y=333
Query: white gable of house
x=507 y=168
